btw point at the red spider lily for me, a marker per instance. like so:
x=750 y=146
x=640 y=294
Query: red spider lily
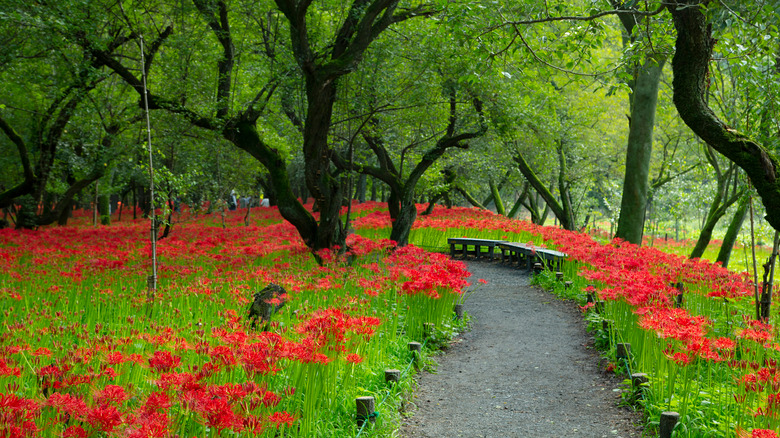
x=750 y=383
x=229 y=391
x=178 y=381
x=111 y=395
x=17 y=415
x=75 y=431
x=223 y=355
x=164 y=361
x=587 y=306
x=104 y=418
x=6 y=370
x=271 y=399
x=151 y=425
x=680 y=358
x=759 y=336
x=763 y=433
x=72 y=406
x=252 y=424
x=157 y=401
x=280 y=418
x=354 y=358
x=724 y=344
x=328 y=328
x=218 y=414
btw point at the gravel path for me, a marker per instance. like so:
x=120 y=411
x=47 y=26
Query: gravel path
x=525 y=369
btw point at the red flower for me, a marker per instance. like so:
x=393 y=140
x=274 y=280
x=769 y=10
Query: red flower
x=157 y=401
x=75 y=432
x=111 y=394
x=71 y=405
x=164 y=361
x=5 y=370
x=354 y=358
x=763 y=433
x=104 y=418
x=280 y=418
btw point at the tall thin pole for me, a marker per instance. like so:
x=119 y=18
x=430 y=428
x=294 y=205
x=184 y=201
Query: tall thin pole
x=755 y=268
x=152 y=280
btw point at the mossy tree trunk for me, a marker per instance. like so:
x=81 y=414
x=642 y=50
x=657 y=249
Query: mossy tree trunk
x=644 y=98
x=727 y=193
x=693 y=52
x=561 y=209
x=730 y=238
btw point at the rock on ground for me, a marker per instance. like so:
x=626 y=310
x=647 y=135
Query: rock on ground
x=526 y=368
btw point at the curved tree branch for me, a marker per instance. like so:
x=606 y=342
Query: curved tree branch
x=690 y=65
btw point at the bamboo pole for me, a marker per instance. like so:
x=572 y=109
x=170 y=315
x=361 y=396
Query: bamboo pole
x=755 y=269
x=152 y=280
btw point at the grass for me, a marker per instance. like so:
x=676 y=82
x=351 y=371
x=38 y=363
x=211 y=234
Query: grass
x=83 y=354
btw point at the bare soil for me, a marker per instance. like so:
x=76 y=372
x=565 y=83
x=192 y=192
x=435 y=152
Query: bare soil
x=526 y=368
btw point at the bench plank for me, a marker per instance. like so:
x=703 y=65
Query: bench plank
x=465 y=242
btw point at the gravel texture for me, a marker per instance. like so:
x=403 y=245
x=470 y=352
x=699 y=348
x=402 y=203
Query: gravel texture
x=527 y=368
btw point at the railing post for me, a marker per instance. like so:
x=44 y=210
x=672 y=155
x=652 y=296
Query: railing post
x=365 y=410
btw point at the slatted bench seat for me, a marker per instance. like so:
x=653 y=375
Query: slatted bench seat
x=522 y=252
x=461 y=245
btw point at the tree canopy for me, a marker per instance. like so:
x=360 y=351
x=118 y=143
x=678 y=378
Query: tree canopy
x=529 y=106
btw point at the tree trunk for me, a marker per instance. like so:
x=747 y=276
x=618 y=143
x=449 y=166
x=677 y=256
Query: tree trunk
x=360 y=191
x=769 y=280
x=717 y=211
x=326 y=189
x=402 y=225
x=640 y=147
x=245 y=136
x=471 y=200
x=515 y=208
x=497 y=198
x=568 y=221
x=693 y=52
x=706 y=233
x=733 y=232
x=545 y=193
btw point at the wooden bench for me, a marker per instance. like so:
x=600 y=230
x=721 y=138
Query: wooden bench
x=461 y=245
x=530 y=254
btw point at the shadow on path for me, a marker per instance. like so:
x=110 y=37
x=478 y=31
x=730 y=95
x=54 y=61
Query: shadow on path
x=524 y=369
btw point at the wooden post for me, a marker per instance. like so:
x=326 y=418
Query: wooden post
x=668 y=421
x=568 y=284
x=392 y=376
x=638 y=381
x=538 y=268
x=459 y=311
x=600 y=306
x=559 y=276
x=416 y=349
x=623 y=351
x=365 y=410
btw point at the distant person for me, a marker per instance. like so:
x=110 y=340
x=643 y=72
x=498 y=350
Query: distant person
x=265 y=202
x=232 y=200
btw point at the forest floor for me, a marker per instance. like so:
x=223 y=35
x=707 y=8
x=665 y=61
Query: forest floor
x=526 y=368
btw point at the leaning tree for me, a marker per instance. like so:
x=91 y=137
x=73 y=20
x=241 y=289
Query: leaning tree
x=253 y=59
